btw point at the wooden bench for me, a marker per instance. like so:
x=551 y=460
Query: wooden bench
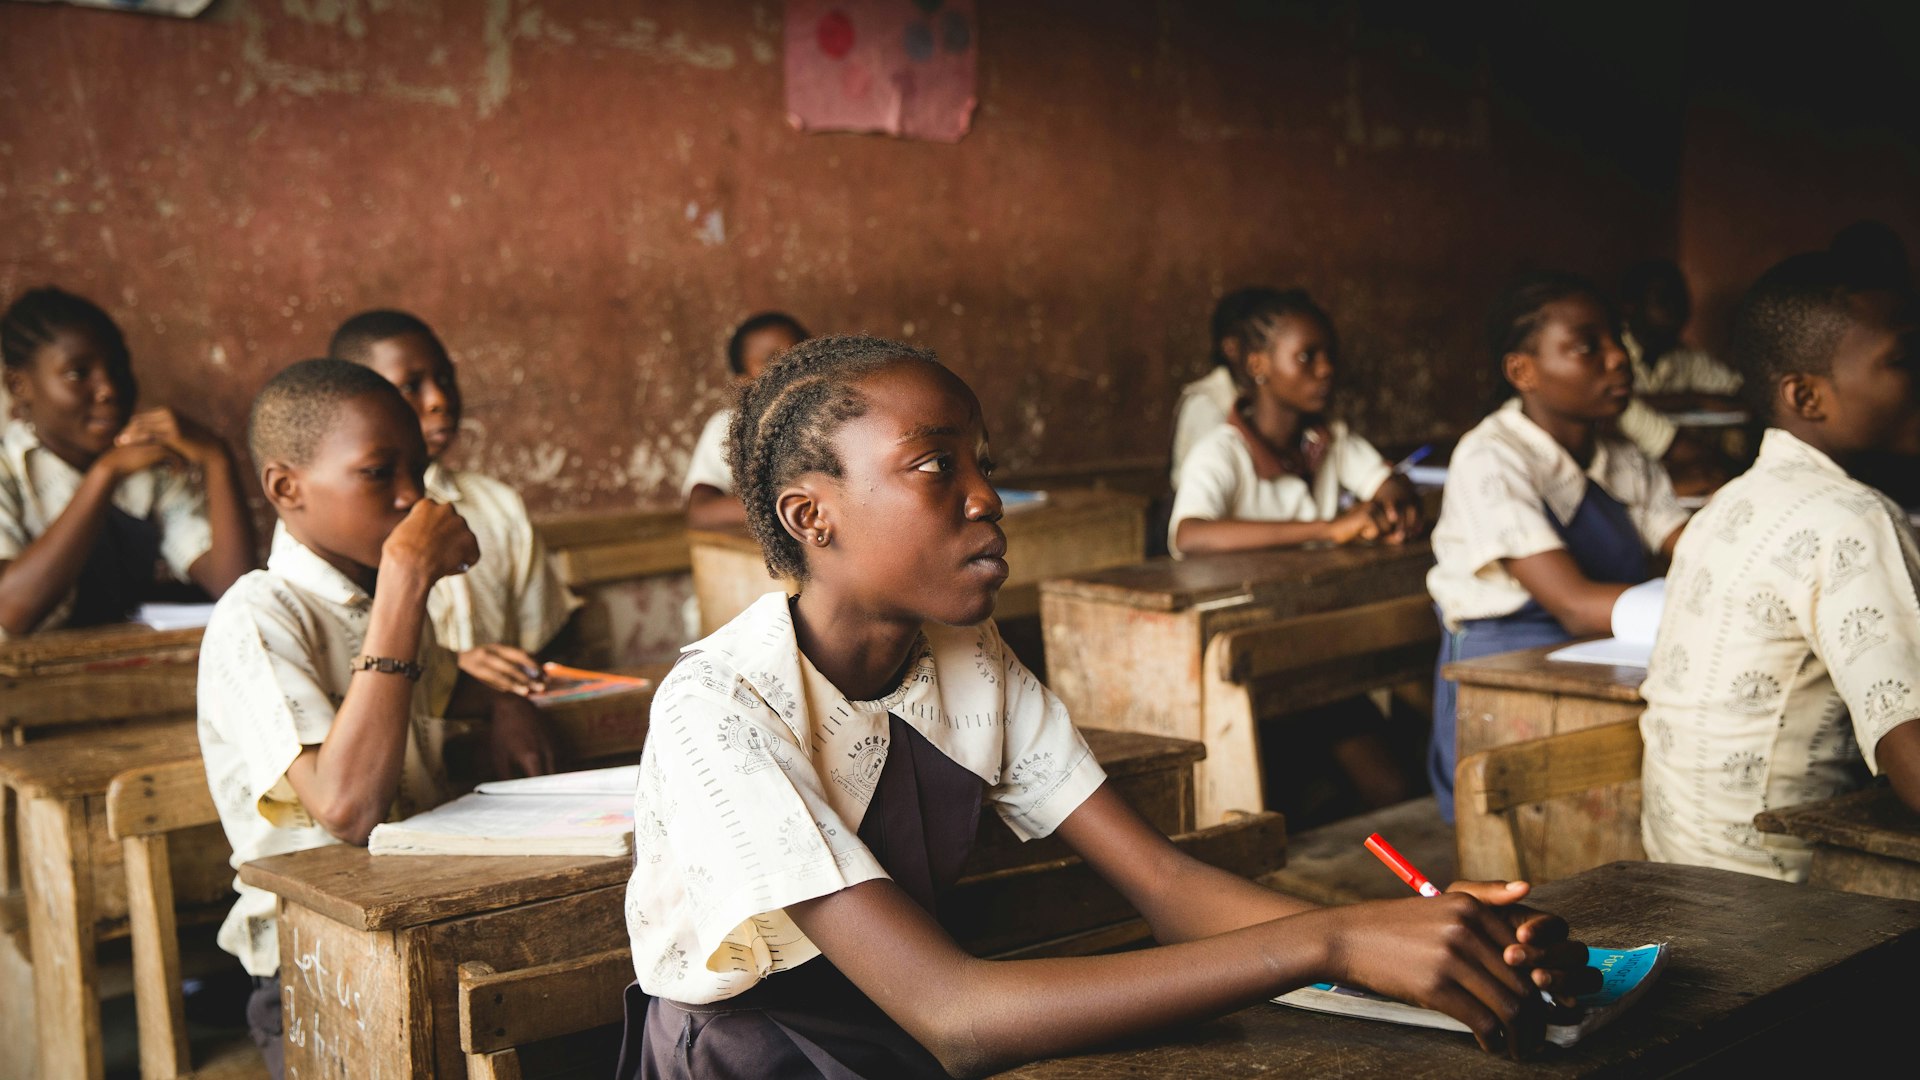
x=1330 y=865
x=1505 y=800
x=1864 y=841
x=503 y=1011
x=631 y=569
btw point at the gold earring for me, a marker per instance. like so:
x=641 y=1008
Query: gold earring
x=821 y=539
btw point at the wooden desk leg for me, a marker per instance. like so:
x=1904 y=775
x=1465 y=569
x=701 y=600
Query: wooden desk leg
x=57 y=863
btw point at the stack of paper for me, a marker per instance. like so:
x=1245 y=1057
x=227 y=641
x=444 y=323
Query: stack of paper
x=173 y=616
x=578 y=813
x=1636 y=620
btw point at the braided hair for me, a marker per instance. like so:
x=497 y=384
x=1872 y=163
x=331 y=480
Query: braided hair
x=1250 y=316
x=784 y=423
x=1515 y=322
x=32 y=321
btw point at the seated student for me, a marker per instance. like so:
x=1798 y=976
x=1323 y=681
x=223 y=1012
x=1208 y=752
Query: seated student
x=1790 y=644
x=1206 y=402
x=1668 y=374
x=816 y=769
x=319 y=676
x=94 y=496
x=1273 y=473
x=708 y=487
x=1547 y=518
x=511 y=605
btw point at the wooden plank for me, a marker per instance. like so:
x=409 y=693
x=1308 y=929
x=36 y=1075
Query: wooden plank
x=343 y=997
x=1294 y=644
x=504 y=1009
x=1872 y=820
x=58 y=868
x=81 y=763
x=159 y=798
x=1169 y=584
x=150 y=690
x=560 y=532
x=1529 y=669
x=645 y=557
x=1229 y=781
x=97 y=648
x=1330 y=865
x=1542 y=769
x=159 y=1003
x=1855 y=871
x=390 y=892
x=1546 y=808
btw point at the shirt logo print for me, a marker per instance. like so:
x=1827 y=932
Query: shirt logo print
x=1735 y=519
x=1033 y=771
x=1798 y=556
x=1769 y=618
x=1848 y=561
x=775 y=693
x=1753 y=693
x=1886 y=699
x=1860 y=631
x=1672 y=663
x=1861 y=503
x=1745 y=842
x=743 y=738
x=861 y=774
x=672 y=965
x=1742 y=773
x=801 y=837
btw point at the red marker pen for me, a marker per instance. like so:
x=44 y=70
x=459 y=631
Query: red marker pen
x=1398 y=863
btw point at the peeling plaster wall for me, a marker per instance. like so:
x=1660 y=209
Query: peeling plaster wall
x=584 y=196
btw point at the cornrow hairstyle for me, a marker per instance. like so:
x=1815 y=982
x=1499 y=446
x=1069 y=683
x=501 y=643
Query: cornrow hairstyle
x=297 y=407
x=737 y=343
x=32 y=321
x=1256 y=314
x=1230 y=312
x=784 y=423
x=1514 y=324
x=1793 y=318
x=355 y=339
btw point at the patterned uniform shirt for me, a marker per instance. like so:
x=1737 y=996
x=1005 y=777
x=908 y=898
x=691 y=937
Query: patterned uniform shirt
x=512 y=596
x=1789 y=646
x=1204 y=404
x=1505 y=477
x=1219 y=481
x=1680 y=370
x=36 y=486
x=757 y=775
x=274 y=666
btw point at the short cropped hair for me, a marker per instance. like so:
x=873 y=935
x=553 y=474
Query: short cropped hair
x=297 y=407
x=765 y=320
x=1792 y=319
x=355 y=339
x=783 y=427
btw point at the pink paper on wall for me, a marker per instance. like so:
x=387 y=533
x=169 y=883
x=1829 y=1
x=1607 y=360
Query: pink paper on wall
x=902 y=67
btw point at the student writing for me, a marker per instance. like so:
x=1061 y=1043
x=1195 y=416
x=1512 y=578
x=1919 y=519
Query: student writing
x=1786 y=661
x=94 y=495
x=815 y=772
x=1547 y=517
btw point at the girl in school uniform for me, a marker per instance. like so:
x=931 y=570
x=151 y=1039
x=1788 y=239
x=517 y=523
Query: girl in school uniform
x=816 y=769
x=1548 y=516
x=708 y=488
x=102 y=507
x=1205 y=402
x=1274 y=472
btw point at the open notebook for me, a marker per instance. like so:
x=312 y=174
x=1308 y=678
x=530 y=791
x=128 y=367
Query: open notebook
x=1636 y=619
x=578 y=813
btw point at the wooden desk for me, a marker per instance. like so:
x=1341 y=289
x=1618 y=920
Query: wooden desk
x=75 y=885
x=1125 y=645
x=370 y=946
x=98 y=673
x=1522 y=695
x=629 y=568
x=1073 y=531
x=1864 y=841
x=1763 y=975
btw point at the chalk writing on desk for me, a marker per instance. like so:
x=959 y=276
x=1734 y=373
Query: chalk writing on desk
x=315 y=990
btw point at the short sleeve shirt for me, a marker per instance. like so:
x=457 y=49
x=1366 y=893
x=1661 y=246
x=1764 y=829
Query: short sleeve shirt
x=1219 y=481
x=36 y=486
x=1789 y=646
x=274 y=667
x=512 y=596
x=757 y=775
x=1204 y=404
x=709 y=462
x=1506 y=476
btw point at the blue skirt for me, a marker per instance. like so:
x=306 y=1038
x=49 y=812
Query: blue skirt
x=1528 y=628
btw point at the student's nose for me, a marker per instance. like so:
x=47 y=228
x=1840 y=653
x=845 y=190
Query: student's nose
x=983 y=503
x=433 y=399
x=408 y=490
x=1615 y=356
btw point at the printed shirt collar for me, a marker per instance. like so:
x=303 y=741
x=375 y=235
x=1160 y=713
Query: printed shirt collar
x=1781 y=448
x=20 y=440
x=441 y=486
x=1562 y=483
x=299 y=566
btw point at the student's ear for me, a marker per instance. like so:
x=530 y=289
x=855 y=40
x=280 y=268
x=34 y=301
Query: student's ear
x=1258 y=366
x=282 y=487
x=802 y=515
x=1235 y=351
x=1803 y=396
x=19 y=388
x=1518 y=367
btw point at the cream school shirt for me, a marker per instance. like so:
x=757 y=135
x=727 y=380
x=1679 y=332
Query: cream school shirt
x=1790 y=645
x=709 y=462
x=1680 y=370
x=273 y=668
x=36 y=486
x=758 y=772
x=512 y=595
x=1219 y=481
x=1204 y=404
x=1505 y=477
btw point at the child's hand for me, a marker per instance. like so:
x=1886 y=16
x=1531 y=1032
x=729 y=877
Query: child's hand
x=517 y=739
x=164 y=427
x=1446 y=953
x=1541 y=946
x=123 y=461
x=432 y=541
x=1401 y=515
x=505 y=668
x=1357 y=523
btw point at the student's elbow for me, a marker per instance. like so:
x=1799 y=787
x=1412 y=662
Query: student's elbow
x=349 y=820
x=1898 y=754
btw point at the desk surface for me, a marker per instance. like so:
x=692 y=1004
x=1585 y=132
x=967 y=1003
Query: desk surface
x=1529 y=669
x=1873 y=820
x=1748 y=953
x=1176 y=584
x=85 y=762
x=120 y=644
x=1062 y=509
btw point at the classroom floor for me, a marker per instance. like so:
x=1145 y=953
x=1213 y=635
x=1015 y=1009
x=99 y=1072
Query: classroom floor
x=216 y=1003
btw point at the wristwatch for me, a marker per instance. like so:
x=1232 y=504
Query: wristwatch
x=386 y=665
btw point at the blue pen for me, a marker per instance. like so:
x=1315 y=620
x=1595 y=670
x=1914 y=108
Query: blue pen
x=1414 y=458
